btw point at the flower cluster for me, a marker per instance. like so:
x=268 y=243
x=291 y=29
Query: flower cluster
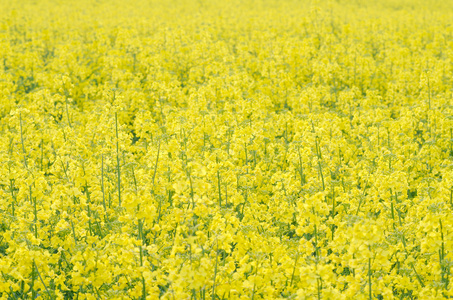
x=226 y=149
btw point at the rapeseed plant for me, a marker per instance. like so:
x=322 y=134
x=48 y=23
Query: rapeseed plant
x=226 y=150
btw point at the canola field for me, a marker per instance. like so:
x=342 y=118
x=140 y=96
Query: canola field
x=202 y=149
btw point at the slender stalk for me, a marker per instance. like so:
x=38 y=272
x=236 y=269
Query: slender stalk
x=190 y=181
x=140 y=237
x=334 y=204
x=301 y=170
x=318 y=153
x=67 y=113
x=316 y=242
x=370 y=296
x=135 y=179
x=333 y=201
x=73 y=231
x=14 y=197
x=39 y=275
x=294 y=269
x=42 y=154
x=118 y=160
x=22 y=141
x=246 y=152
x=143 y=289
x=442 y=258
x=429 y=92
x=32 y=286
x=155 y=165
x=102 y=182
x=88 y=208
x=35 y=211
x=215 y=270
x=319 y=283
x=417 y=275
x=243 y=205
x=142 y=241
x=218 y=185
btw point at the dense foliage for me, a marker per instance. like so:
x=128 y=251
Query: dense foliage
x=226 y=150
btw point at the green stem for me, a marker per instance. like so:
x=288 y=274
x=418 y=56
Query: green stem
x=218 y=185
x=14 y=197
x=37 y=271
x=73 y=231
x=319 y=287
x=118 y=160
x=143 y=289
x=442 y=255
x=32 y=286
x=417 y=275
x=87 y=193
x=67 y=113
x=215 y=271
x=135 y=179
x=22 y=141
x=316 y=242
x=155 y=165
x=42 y=153
x=318 y=153
x=370 y=296
x=301 y=170
x=35 y=211
x=294 y=269
x=102 y=182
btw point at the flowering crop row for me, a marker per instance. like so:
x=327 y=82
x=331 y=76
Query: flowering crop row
x=226 y=150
